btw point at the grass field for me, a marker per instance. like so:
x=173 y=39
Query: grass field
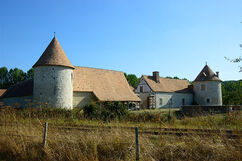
x=22 y=136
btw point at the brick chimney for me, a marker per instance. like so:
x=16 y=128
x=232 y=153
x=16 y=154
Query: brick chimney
x=217 y=74
x=156 y=76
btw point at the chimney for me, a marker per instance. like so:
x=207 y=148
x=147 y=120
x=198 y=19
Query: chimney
x=217 y=74
x=156 y=76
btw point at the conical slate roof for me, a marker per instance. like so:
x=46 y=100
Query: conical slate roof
x=53 y=55
x=207 y=75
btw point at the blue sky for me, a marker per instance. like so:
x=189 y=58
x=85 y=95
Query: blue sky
x=174 y=37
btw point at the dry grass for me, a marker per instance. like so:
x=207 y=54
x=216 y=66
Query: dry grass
x=21 y=139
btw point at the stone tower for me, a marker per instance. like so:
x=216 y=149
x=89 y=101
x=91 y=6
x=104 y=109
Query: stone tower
x=207 y=88
x=53 y=77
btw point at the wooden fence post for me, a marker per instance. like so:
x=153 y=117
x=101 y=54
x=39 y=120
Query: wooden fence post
x=45 y=134
x=137 y=143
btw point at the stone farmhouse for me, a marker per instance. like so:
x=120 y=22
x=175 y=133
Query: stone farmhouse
x=157 y=92
x=60 y=84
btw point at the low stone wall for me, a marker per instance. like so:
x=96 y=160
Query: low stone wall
x=17 y=102
x=195 y=110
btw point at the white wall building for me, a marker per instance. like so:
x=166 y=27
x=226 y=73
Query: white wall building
x=157 y=92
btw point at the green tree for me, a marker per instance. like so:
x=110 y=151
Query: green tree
x=132 y=79
x=231 y=91
x=30 y=74
x=16 y=75
x=3 y=77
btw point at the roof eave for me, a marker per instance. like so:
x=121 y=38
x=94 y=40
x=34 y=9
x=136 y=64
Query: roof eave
x=34 y=66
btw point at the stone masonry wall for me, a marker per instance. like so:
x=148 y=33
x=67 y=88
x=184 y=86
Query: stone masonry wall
x=54 y=85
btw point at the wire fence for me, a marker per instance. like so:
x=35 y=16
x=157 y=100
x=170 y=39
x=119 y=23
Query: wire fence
x=16 y=129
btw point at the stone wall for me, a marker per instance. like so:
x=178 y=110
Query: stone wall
x=195 y=110
x=212 y=92
x=54 y=85
x=18 y=102
x=144 y=100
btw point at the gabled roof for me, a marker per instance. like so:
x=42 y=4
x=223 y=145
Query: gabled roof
x=2 y=91
x=24 y=88
x=107 y=85
x=53 y=55
x=207 y=75
x=168 y=85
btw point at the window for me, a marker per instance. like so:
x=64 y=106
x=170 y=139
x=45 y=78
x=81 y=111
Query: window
x=183 y=101
x=141 y=89
x=203 y=87
x=161 y=101
x=208 y=100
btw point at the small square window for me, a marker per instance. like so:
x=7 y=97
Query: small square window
x=203 y=87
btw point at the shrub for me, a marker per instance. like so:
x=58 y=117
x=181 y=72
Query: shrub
x=91 y=111
x=106 y=111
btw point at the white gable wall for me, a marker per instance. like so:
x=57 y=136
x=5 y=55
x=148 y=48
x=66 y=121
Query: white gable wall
x=146 y=88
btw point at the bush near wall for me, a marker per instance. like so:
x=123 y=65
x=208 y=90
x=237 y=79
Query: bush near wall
x=106 y=111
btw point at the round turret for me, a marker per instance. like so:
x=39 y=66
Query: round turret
x=53 y=77
x=207 y=88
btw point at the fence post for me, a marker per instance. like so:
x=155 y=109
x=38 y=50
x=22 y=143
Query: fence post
x=137 y=143
x=45 y=134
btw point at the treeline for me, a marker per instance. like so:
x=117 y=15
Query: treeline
x=13 y=76
x=232 y=92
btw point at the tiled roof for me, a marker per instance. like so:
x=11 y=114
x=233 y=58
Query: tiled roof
x=20 y=89
x=53 y=55
x=107 y=85
x=207 y=75
x=168 y=85
x=2 y=91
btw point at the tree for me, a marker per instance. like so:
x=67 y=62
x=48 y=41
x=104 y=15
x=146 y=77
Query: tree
x=132 y=79
x=3 y=77
x=231 y=93
x=16 y=75
x=236 y=60
x=30 y=74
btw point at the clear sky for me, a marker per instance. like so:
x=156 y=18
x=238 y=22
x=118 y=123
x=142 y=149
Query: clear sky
x=174 y=37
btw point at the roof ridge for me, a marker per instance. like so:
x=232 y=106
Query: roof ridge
x=98 y=68
x=167 y=78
